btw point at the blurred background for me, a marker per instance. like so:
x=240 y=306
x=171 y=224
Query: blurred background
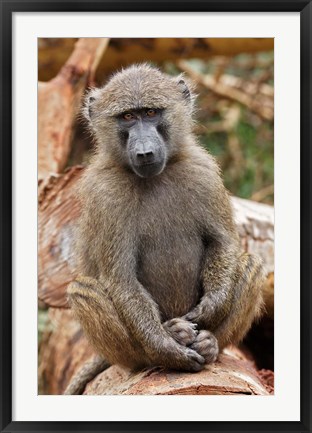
x=234 y=80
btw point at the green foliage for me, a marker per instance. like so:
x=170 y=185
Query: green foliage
x=245 y=147
x=255 y=171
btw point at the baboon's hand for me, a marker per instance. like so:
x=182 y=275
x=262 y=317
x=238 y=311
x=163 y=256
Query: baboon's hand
x=199 y=314
x=178 y=357
x=181 y=330
x=206 y=345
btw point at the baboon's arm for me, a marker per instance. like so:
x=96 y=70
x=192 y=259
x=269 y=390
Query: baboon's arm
x=218 y=277
x=123 y=324
x=137 y=309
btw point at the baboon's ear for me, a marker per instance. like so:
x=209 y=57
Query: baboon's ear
x=184 y=89
x=91 y=99
x=187 y=88
x=88 y=106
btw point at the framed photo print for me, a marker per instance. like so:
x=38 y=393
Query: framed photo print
x=155 y=216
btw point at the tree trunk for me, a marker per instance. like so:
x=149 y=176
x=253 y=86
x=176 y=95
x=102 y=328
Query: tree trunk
x=64 y=350
x=230 y=375
x=58 y=102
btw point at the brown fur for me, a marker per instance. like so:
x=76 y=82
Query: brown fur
x=152 y=250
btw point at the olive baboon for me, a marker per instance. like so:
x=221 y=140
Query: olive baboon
x=163 y=280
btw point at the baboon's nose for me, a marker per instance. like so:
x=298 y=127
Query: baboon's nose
x=145 y=157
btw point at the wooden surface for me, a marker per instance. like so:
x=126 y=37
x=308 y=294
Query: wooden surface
x=58 y=211
x=64 y=350
x=59 y=101
x=230 y=375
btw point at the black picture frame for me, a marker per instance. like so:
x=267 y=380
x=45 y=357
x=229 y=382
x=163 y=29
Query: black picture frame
x=7 y=9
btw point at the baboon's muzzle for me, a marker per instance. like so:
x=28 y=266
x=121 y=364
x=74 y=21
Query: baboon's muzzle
x=147 y=150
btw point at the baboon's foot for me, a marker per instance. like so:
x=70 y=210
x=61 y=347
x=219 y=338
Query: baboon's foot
x=206 y=345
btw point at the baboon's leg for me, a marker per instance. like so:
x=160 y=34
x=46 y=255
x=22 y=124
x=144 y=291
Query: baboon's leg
x=95 y=311
x=247 y=301
x=115 y=342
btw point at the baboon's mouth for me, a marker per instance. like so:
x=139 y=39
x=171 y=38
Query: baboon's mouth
x=148 y=169
x=144 y=164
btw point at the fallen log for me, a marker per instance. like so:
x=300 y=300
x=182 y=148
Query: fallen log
x=59 y=209
x=228 y=376
x=64 y=350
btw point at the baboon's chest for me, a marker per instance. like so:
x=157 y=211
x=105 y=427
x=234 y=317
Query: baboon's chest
x=170 y=254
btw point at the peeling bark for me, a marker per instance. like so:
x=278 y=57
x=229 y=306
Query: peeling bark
x=228 y=376
x=58 y=211
x=58 y=102
x=64 y=350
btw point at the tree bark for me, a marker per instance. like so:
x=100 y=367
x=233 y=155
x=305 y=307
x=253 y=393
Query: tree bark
x=64 y=350
x=58 y=102
x=230 y=375
x=58 y=211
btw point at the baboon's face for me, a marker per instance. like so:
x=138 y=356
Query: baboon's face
x=140 y=118
x=143 y=136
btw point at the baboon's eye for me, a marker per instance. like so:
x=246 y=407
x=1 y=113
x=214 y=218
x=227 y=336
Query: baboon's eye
x=151 y=112
x=128 y=116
